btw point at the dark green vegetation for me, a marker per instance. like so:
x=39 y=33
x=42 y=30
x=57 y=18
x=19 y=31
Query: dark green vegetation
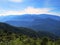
x=10 y=35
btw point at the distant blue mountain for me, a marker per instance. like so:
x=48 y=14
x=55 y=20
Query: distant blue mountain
x=42 y=22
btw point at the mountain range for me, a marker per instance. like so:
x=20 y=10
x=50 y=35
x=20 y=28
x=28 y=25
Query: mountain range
x=41 y=22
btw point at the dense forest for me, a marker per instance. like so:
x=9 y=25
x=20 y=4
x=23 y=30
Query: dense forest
x=10 y=35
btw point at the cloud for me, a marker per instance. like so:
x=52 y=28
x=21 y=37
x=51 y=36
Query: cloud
x=28 y=10
x=32 y=10
x=15 y=0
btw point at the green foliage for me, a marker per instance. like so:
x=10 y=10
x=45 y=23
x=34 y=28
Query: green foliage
x=17 y=39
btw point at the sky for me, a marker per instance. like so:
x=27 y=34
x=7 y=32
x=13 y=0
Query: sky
x=20 y=7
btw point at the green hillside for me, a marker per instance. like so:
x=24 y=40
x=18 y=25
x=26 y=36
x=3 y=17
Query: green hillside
x=10 y=35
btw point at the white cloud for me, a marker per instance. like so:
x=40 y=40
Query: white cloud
x=31 y=10
x=15 y=0
x=28 y=10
